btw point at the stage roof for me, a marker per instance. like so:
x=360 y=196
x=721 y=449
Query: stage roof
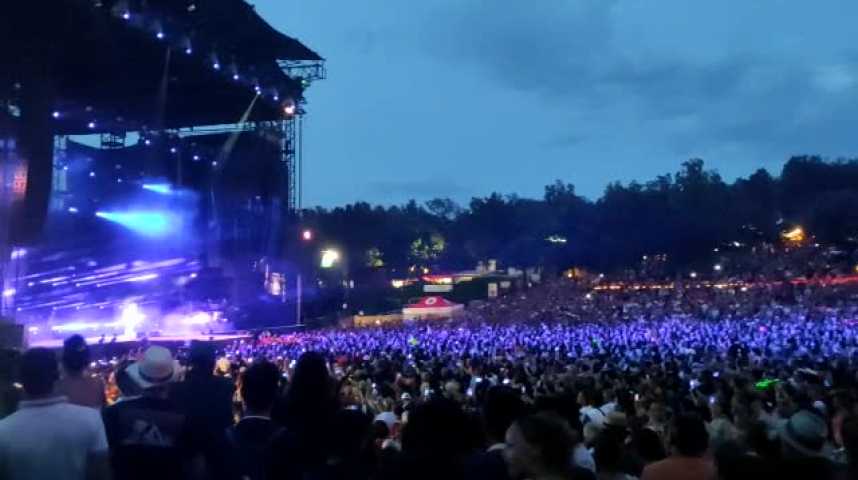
x=105 y=63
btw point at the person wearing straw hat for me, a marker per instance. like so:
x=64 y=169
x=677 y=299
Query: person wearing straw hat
x=148 y=437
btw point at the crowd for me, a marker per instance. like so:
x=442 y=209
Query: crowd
x=555 y=383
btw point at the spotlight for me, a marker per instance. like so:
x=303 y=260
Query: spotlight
x=276 y=98
x=196 y=158
x=73 y=210
x=172 y=149
x=235 y=76
x=258 y=89
x=307 y=235
x=91 y=174
x=289 y=109
x=214 y=163
x=147 y=142
x=56 y=114
x=118 y=180
x=189 y=51
x=90 y=125
x=159 y=35
x=216 y=66
x=126 y=16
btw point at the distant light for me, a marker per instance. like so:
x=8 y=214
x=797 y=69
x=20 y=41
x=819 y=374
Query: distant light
x=693 y=274
x=90 y=125
x=717 y=267
x=159 y=35
x=216 y=66
x=235 y=76
x=189 y=51
x=258 y=89
x=276 y=97
x=289 y=109
x=126 y=16
x=193 y=275
x=214 y=163
x=196 y=158
x=172 y=149
x=56 y=114
x=91 y=174
x=118 y=180
x=147 y=142
x=307 y=235
x=73 y=210
x=162 y=188
x=66 y=168
x=329 y=258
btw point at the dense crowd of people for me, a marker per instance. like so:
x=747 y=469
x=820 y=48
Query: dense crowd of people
x=556 y=382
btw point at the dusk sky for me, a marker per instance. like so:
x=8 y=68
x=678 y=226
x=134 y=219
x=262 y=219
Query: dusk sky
x=460 y=98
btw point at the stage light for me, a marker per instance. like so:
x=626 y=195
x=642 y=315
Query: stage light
x=73 y=210
x=9 y=292
x=147 y=142
x=118 y=180
x=214 y=163
x=90 y=125
x=717 y=267
x=289 y=109
x=329 y=258
x=126 y=16
x=172 y=149
x=693 y=275
x=162 y=188
x=148 y=223
x=258 y=89
x=189 y=51
x=307 y=235
x=66 y=168
x=196 y=158
x=216 y=66
x=235 y=76
x=129 y=319
x=276 y=97
x=91 y=174
x=56 y=114
x=159 y=35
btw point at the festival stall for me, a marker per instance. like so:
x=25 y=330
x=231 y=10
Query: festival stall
x=431 y=307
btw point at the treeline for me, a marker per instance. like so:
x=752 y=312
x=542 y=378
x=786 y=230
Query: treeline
x=684 y=215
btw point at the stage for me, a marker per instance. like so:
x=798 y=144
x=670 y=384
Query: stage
x=164 y=339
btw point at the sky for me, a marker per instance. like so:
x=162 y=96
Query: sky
x=462 y=98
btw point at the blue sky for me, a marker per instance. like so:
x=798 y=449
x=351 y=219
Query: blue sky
x=460 y=98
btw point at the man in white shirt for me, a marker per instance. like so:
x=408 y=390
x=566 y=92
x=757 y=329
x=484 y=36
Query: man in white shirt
x=49 y=438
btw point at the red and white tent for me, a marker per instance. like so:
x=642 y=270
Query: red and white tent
x=431 y=307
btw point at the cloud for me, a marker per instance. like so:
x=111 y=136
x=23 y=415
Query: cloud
x=581 y=56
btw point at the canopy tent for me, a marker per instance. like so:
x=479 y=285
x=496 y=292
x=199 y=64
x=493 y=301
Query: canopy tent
x=431 y=307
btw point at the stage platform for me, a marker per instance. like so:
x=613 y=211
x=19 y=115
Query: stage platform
x=161 y=339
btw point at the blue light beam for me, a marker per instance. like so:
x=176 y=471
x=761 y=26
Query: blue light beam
x=162 y=188
x=150 y=224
